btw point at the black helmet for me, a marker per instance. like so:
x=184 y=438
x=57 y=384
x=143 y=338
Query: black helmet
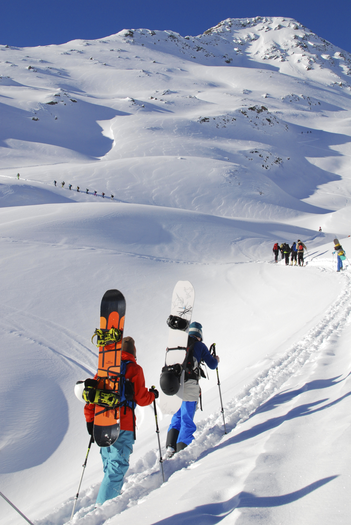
x=170 y=379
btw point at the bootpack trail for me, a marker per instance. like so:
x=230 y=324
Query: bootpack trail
x=145 y=477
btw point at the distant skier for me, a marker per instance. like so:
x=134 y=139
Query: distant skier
x=103 y=195
x=70 y=186
x=87 y=191
x=95 y=193
x=276 y=251
x=78 y=189
x=293 y=254
x=340 y=255
x=115 y=458
x=62 y=184
x=300 y=252
x=18 y=176
x=55 y=183
x=182 y=427
x=112 y=196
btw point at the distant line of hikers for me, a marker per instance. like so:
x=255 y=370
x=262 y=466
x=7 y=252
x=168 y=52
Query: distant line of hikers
x=95 y=193
x=78 y=189
x=295 y=253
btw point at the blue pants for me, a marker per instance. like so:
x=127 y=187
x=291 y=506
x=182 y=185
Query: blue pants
x=115 y=460
x=183 y=421
x=339 y=263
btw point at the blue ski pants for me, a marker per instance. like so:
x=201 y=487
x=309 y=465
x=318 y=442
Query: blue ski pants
x=183 y=421
x=339 y=263
x=115 y=460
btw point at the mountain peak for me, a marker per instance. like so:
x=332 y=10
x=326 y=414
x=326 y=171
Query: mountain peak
x=268 y=40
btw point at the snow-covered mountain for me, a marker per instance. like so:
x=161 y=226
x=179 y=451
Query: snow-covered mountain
x=202 y=151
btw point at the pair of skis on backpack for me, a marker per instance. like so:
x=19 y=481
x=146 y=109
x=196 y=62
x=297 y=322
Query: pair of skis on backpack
x=108 y=390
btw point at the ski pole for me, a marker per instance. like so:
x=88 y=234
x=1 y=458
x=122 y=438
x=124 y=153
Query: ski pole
x=91 y=441
x=213 y=351
x=16 y=509
x=159 y=443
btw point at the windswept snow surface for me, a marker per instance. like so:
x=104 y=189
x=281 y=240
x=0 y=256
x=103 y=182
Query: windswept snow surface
x=203 y=151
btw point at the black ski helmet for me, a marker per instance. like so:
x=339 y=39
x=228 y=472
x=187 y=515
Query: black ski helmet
x=170 y=379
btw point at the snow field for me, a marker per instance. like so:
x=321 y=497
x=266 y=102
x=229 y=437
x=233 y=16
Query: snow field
x=214 y=147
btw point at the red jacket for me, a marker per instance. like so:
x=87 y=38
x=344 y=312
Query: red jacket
x=142 y=396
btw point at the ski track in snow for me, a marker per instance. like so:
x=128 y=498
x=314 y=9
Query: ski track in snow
x=145 y=476
x=22 y=328
x=124 y=253
x=118 y=253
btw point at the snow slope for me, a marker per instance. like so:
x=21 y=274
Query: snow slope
x=214 y=147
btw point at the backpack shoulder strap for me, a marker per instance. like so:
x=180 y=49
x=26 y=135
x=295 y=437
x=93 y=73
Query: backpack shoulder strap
x=127 y=386
x=189 y=350
x=188 y=363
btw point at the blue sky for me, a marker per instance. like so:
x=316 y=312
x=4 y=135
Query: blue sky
x=41 y=22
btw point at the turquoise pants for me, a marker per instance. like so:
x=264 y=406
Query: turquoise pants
x=115 y=460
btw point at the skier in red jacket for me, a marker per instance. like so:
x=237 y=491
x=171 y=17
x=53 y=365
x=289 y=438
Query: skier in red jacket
x=115 y=458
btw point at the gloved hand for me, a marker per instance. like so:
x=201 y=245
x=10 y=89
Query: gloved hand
x=154 y=391
x=90 y=428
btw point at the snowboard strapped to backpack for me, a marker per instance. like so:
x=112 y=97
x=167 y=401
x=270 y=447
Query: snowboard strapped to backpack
x=171 y=374
x=339 y=250
x=95 y=393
